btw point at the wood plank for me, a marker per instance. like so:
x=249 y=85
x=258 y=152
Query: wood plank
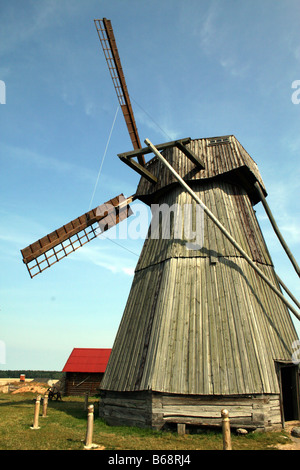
x=146 y=150
x=141 y=170
x=72 y=228
x=190 y=154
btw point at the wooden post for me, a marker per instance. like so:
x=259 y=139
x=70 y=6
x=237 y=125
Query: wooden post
x=36 y=413
x=276 y=229
x=86 y=400
x=45 y=405
x=226 y=430
x=181 y=429
x=89 y=432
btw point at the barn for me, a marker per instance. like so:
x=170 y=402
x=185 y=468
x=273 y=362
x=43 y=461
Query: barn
x=84 y=370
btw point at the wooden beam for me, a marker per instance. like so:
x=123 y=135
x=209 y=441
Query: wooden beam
x=118 y=205
x=276 y=229
x=145 y=150
x=223 y=229
x=109 y=45
x=127 y=157
x=288 y=291
x=190 y=154
x=141 y=170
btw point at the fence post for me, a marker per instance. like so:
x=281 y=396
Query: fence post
x=86 y=400
x=226 y=430
x=181 y=429
x=36 y=413
x=89 y=432
x=45 y=404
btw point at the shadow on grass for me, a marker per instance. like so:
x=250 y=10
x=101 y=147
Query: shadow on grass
x=73 y=406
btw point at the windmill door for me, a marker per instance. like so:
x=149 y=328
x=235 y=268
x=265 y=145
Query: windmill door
x=289 y=385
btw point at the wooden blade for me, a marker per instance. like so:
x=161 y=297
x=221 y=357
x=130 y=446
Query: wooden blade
x=109 y=46
x=50 y=249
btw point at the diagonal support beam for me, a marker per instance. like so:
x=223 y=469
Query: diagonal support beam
x=288 y=291
x=222 y=228
x=276 y=229
x=127 y=157
x=190 y=154
x=145 y=150
x=140 y=169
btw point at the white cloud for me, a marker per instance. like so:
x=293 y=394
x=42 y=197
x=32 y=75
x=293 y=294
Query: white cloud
x=113 y=260
x=129 y=271
x=216 y=41
x=26 y=26
x=233 y=67
x=208 y=28
x=164 y=117
x=53 y=164
x=292 y=230
x=90 y=108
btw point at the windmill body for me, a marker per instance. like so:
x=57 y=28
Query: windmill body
x=205 y=326
x=201 y=331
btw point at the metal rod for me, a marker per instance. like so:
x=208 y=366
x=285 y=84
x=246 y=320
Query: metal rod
x=276 y=229
x=222 y=228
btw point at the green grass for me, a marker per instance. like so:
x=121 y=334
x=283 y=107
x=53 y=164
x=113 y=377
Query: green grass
x=64 y=428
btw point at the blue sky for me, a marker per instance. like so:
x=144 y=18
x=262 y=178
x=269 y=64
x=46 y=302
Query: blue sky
x=193 y=69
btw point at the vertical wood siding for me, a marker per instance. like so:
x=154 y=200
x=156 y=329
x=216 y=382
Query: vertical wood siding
x=224 y=160
x=191 y=326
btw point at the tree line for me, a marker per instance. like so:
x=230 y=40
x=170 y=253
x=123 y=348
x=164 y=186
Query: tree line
x=31 y=374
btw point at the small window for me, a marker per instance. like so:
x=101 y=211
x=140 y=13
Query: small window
x=218 y=140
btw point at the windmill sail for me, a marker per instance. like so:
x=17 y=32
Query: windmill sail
x=50 y=249
x=109 y=46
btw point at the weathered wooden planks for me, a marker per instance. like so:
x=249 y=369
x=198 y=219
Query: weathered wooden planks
x=222 y=341
x=229 y=160
x=80 y=383
x=196 y=334
x=156 y=410
x=232 y=207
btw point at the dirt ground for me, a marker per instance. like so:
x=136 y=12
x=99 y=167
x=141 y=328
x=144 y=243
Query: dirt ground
x=39 y=388
x=295 y=444
x=31 y=386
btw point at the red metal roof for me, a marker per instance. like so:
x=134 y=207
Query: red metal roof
x=87 y=360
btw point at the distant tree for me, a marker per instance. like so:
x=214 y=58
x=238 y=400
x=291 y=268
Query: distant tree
x=31 y=374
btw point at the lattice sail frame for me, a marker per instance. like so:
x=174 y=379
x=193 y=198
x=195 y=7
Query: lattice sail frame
x=55 y=246
x=109 y=46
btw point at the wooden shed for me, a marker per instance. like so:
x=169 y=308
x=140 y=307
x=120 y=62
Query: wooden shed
x=84 y=370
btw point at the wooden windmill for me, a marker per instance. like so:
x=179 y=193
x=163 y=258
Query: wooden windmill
x=205 y=327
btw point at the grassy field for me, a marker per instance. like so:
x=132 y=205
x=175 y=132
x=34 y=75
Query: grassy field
x=64 y=428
